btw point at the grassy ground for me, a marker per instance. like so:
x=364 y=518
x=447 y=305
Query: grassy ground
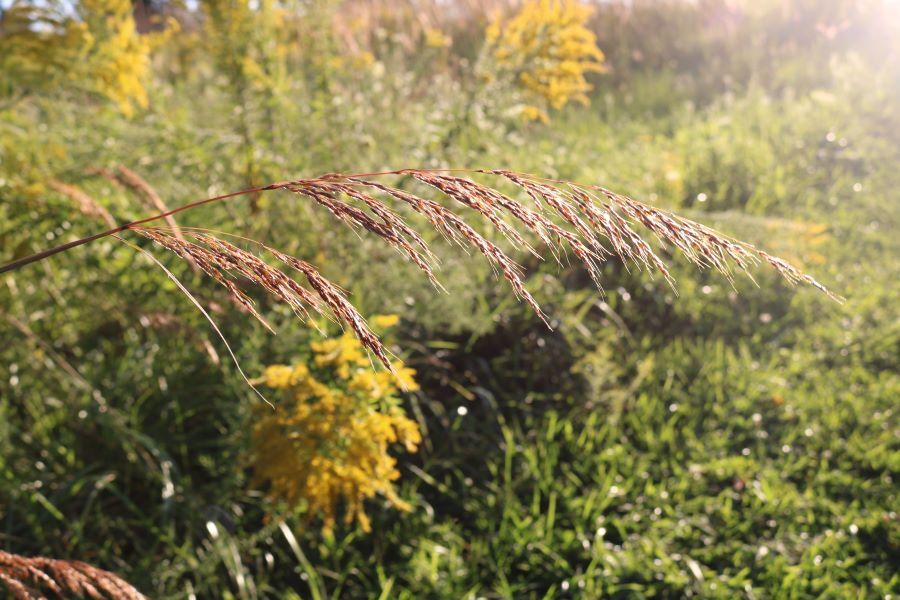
x=722 y=442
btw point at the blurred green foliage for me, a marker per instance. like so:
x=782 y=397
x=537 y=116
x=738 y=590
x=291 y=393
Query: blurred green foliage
x=719 y=443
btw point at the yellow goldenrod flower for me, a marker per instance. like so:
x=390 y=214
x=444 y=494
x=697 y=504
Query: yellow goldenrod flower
x=278 y=376
x=405 y=377
x=533 y=113
x=385 y=321
x=343 y=353
x=548 y=46
x=99 y=49
x=435 y=38
x=328 y=444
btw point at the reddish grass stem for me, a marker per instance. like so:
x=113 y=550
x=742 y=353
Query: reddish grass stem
x=39 y=256
x=33 y=258
x=565 y=217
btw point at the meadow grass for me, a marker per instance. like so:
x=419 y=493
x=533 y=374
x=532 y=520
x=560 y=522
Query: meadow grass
x=733 y=440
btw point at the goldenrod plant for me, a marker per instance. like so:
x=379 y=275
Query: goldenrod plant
x=327 y=444
x=549 y=50
x=98 y=49
x=51 y=49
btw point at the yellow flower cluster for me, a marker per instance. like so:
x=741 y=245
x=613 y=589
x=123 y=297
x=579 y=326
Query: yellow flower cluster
x=99 y=50
x=120 y=55
x=435 y=38
x=327 y=444
x=549 y=49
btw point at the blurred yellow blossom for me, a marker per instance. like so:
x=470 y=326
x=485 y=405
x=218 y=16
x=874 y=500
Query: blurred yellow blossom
x=533 y=113
x=327 y=444
x=435 y=38
x=802 y=244
x=279 y=376
x=98 y=48
x=385 y=321
x=405 y=377
x=342 y=353
x=549 y=49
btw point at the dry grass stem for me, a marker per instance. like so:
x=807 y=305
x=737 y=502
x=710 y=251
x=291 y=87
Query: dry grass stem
x=85 y=203
x=128 y=179
x=32 y=578
x=590 y=222
x=145 y=191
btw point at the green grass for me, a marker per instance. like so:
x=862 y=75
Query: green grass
x=725 y=442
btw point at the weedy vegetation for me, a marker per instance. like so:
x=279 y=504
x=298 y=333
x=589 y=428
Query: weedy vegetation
x=503 y=380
